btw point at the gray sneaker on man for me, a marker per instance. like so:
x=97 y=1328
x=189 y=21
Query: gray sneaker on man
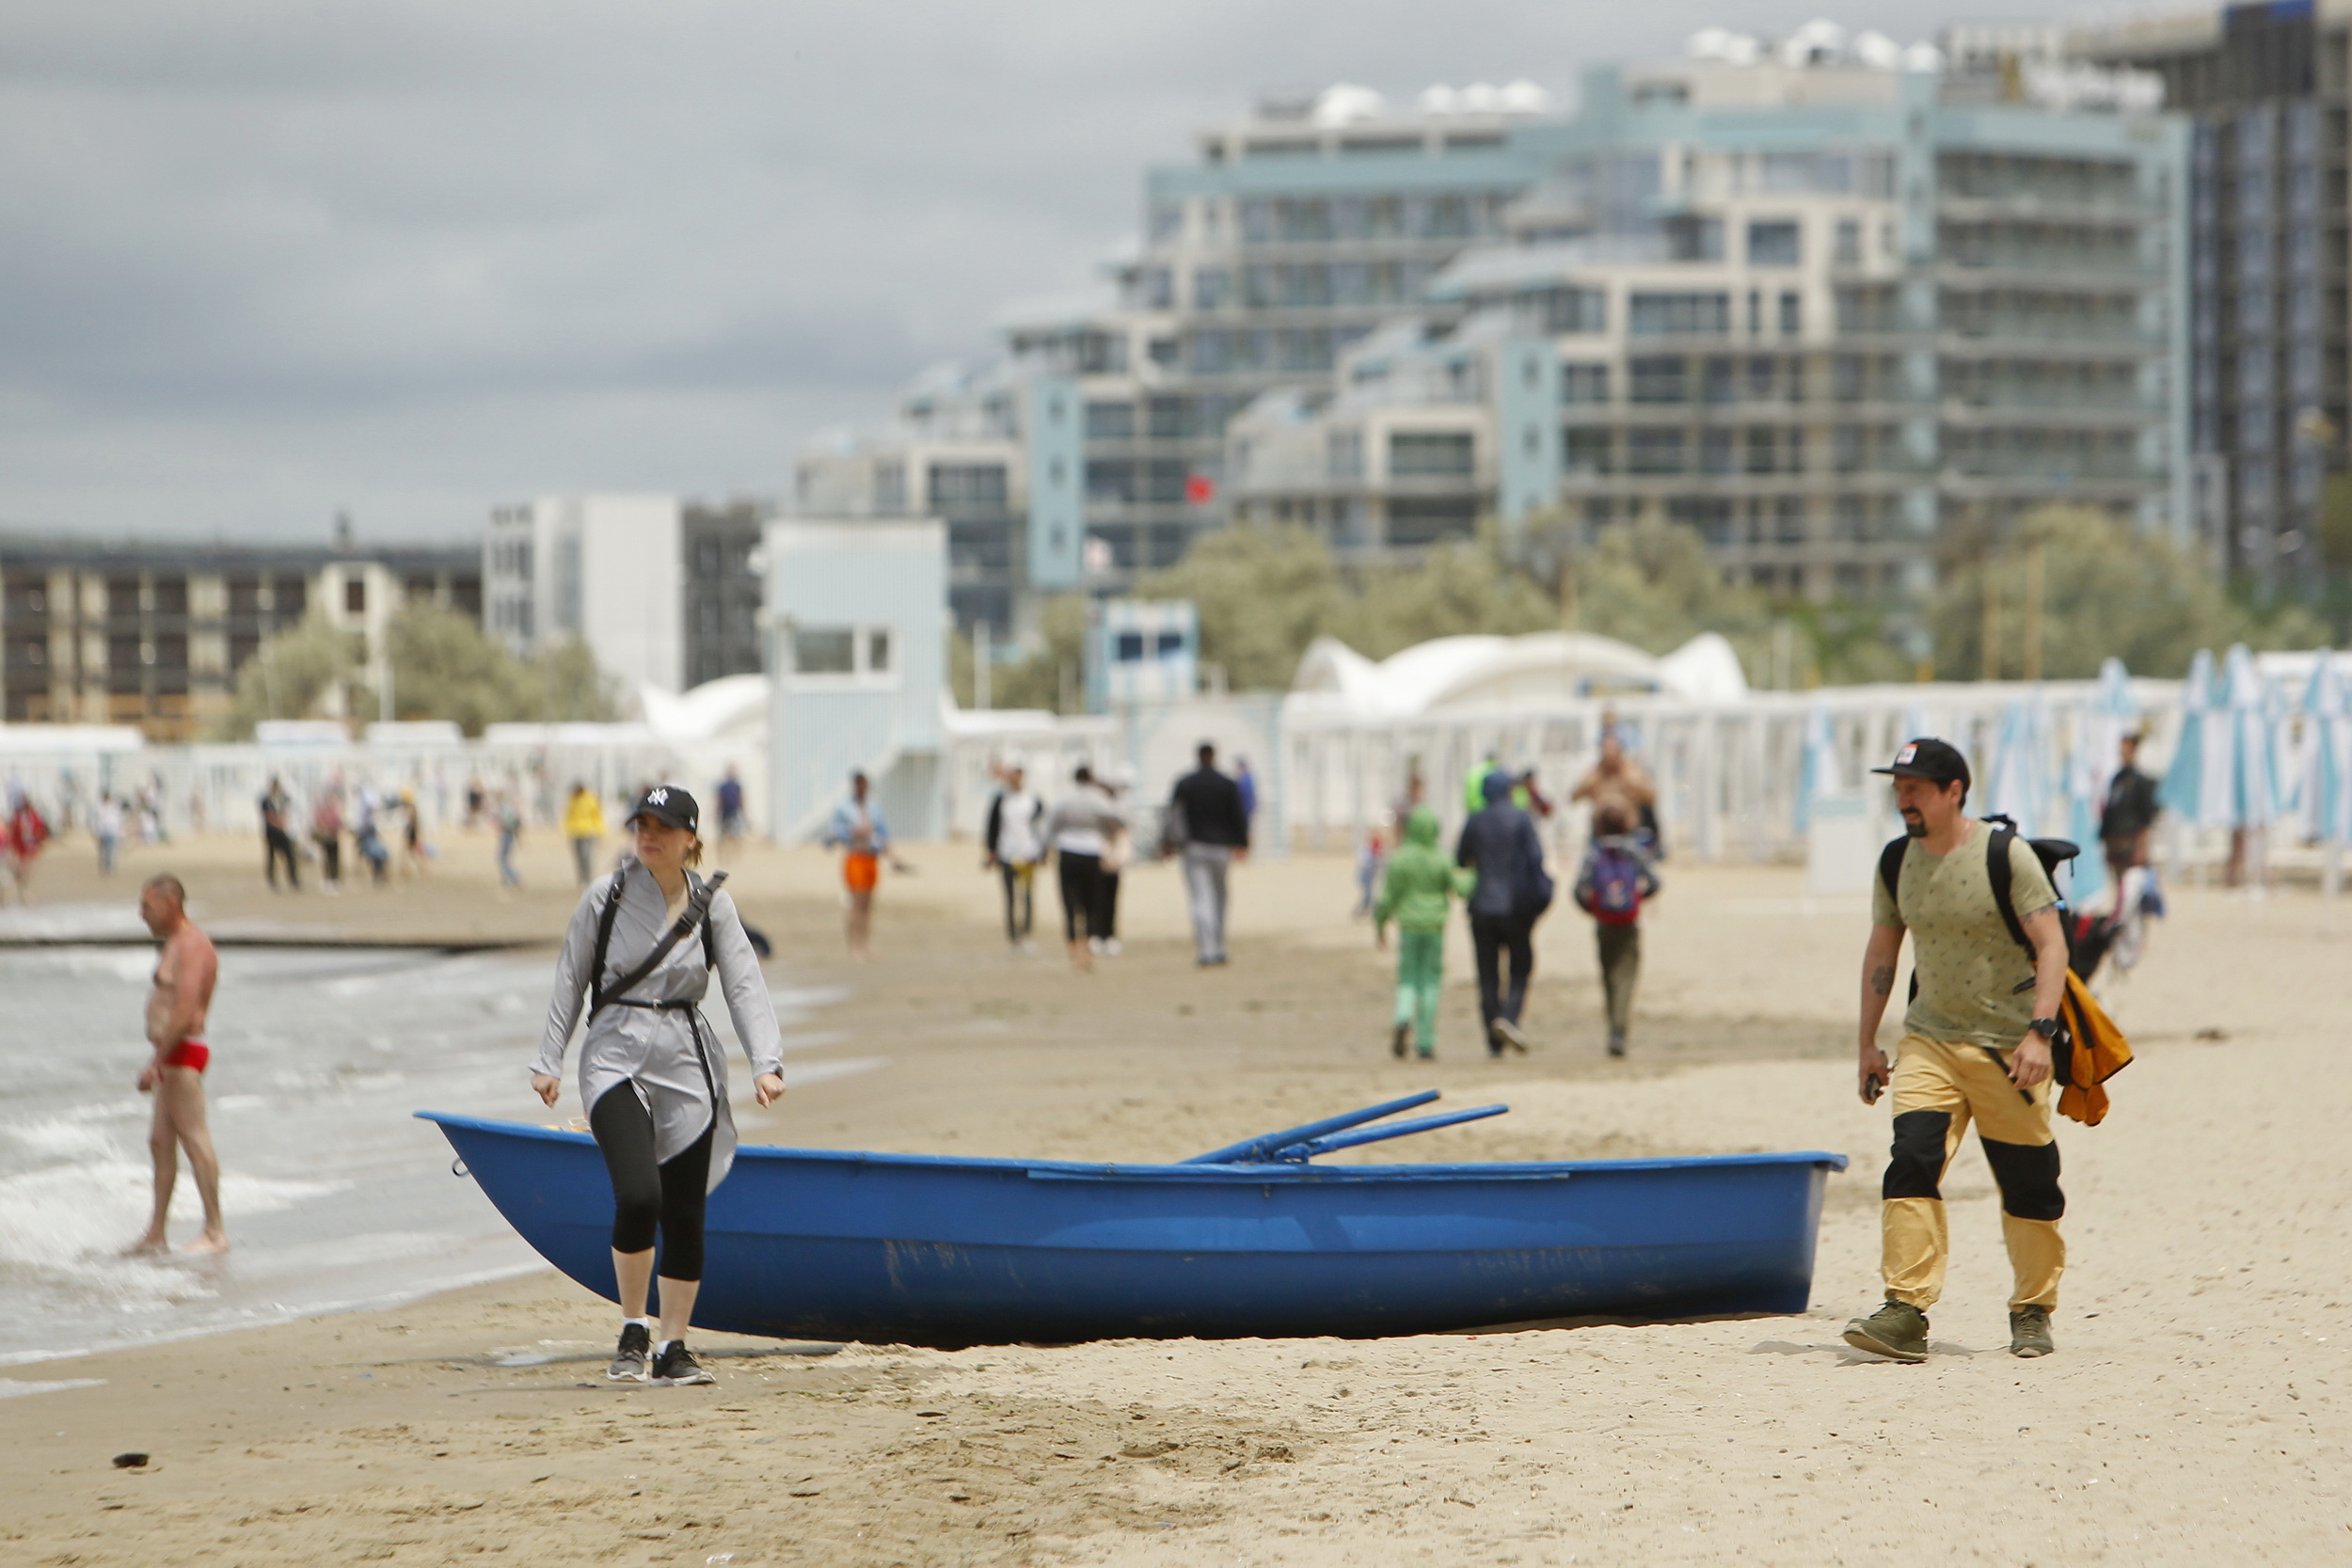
x=1897 y=1331
x=1511 y=1034
x=2029 y=1332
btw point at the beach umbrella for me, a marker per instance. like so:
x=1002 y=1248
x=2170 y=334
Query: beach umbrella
x=2251 y=712
x=2188 y=791
x=2018 y=785
x=2324 y=789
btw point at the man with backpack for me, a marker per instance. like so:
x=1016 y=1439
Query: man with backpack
x=1610 y=886
x=1499 y=843
x=1989 y=977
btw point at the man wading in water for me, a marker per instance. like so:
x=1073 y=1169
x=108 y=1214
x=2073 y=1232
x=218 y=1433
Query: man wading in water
x=175 y=1025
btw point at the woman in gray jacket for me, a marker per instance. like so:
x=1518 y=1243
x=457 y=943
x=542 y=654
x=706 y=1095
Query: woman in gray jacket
x=650 y=1071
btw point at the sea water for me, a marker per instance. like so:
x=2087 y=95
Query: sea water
x=336 y=1195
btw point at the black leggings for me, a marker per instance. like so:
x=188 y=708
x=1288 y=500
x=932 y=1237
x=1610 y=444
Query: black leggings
x=646 y=1195
x=1080 y=896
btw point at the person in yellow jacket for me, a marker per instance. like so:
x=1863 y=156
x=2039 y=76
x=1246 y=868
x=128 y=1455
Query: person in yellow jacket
x=583 y=824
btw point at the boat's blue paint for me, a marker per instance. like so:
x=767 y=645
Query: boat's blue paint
x=926 y=1249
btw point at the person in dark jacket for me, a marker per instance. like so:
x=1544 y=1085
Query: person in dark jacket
x=1499 y=843
x=2124 y=820
x=1215 y=829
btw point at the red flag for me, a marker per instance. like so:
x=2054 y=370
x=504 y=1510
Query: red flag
x=1200 y=489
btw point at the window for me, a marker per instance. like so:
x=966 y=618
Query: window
x=971 y=486
x=1654 y=451
x=1587 y=452
x=1677 y=315
x=1110 y=421
x=1584 y=384
x=1791 y=313
x=1422 y=520
x=824 y=651
x=1212 y=288
x=877 y=652
x=890 y=487
x=1694 y=239
x=1168 y=645
x=1849 y=252
x=1658 y=380
x=1110 y=479
x=1420 y=454
x=1773 y=244
x=1130 y=647
x=1575 y=309
x=356 y=595
x=1159 y=288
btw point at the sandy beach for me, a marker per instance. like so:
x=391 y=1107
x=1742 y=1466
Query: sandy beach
x=2194 y=1411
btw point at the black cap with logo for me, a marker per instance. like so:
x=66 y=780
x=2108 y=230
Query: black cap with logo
x=1938 y=762
x=669 y=804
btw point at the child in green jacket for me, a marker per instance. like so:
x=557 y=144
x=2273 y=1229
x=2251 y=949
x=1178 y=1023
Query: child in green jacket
x=1417 y=894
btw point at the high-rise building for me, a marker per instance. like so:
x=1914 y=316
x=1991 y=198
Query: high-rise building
x=2269 y=85
x=1821 y=308
x=156 y=634
x=1823 y=300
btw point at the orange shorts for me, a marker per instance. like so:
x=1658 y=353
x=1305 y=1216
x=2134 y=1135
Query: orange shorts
x=858 y=873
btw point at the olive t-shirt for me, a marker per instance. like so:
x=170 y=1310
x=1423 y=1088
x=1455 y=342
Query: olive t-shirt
x=1966 y=961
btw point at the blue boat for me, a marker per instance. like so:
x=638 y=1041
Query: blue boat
x=1253 y=1240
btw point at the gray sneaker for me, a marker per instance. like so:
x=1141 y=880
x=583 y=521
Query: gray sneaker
x=1897 y=1331
x=1511 y=1034
x=628 y=1357
x=2029 y=1332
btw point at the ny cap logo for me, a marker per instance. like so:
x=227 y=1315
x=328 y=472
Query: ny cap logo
x=658 y=797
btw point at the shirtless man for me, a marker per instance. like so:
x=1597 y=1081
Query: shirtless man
x=175 y=1026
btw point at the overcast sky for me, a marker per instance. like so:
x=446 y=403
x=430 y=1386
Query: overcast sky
x=265 y=260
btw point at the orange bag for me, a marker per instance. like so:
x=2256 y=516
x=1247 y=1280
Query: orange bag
x=2091 y=1051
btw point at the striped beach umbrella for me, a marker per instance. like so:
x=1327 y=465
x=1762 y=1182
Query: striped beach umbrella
x=2111 y=713
x=2190 y=790
x=2252 y=712
x=1817 y=770
x=2018 y=785
x=2324 y=788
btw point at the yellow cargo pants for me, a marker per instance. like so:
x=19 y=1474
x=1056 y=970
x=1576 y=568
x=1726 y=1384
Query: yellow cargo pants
x=1939 y=1086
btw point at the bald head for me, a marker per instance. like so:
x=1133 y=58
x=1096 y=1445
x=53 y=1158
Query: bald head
x=162 y=904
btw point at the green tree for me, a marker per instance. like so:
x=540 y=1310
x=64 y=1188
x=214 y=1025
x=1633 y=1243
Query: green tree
x=564 y=683
x=1263 y=594
x=296 y=674
x=1461 y=587
x=2107 y=590
x=445 y=667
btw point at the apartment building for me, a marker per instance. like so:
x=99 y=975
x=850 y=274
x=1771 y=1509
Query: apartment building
x=2269 y=88
x=1820 y=307
x=664 y=593
x=155 y=634
x=1291 y=235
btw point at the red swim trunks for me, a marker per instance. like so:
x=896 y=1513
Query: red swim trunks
x=195 y=1053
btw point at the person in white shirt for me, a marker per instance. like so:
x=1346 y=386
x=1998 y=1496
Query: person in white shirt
x=1082 y=824
x=1012 y=847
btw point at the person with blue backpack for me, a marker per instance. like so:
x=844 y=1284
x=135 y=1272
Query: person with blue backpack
x=1611 y=886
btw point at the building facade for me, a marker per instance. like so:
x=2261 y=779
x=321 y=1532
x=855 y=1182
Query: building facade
x=1825 y=301
x=1822 y=311
x=664 y=593
x=155 y=635
x=2270 y=87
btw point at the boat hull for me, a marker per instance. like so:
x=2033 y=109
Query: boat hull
x=813 y=1243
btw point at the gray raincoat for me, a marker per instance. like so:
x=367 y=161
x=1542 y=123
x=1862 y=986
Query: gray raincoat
x=670 y=1056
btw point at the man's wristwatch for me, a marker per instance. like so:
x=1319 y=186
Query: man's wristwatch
x=2046 y=1027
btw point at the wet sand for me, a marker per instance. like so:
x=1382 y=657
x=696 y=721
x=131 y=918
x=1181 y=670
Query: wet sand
x=2195 y=1411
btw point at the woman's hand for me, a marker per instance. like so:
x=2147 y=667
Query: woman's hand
x=546 y=1086
x=769 y=1086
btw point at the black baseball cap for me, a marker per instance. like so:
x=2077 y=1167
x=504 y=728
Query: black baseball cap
x=1939 y=762
x=669 y=804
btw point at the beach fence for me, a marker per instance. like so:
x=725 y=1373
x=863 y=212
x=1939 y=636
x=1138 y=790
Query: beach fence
x=2254 y=752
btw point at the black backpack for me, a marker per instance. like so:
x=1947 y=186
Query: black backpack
x=2051 y=852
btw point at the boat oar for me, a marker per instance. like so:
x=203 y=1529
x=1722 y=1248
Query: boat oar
x=1260 y=1149
x=1313 y=1147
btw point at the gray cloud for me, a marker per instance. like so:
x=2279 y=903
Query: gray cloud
x=268 y=259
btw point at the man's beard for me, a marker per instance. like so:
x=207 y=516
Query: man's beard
x=1916 y=825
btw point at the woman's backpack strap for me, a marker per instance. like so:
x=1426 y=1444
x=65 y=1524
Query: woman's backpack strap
x=604 y=939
